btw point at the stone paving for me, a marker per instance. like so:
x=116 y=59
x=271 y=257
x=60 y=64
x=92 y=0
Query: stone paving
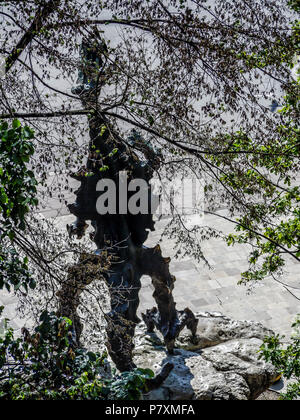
x=201 y=288
x=216 y=289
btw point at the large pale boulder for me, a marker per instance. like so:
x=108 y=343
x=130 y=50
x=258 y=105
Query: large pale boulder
x=222 y=364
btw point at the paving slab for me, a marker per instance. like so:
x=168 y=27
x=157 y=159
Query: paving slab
x=202 y=288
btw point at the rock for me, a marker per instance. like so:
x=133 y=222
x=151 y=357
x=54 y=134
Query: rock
x=215 y=328
x=222 y=364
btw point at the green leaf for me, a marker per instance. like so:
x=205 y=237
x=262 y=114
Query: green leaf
x=16 y=124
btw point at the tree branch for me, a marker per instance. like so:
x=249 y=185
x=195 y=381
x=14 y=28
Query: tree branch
x=45 y=114
x=41 y=15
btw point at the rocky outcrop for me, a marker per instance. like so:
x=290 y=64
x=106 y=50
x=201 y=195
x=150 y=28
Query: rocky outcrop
x=221 y=364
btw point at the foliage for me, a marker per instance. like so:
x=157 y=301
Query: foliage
x=207 y=118
x=196 y=78
x=17 y=196
x=286 y=358
x=43 y=365
x=294 y=4
x=18 y=184
x=272 y=222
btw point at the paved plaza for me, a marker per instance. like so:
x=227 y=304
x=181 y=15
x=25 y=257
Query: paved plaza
x=201 y=288
x=197 y=286
x=208 y=289
x=216 y=289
